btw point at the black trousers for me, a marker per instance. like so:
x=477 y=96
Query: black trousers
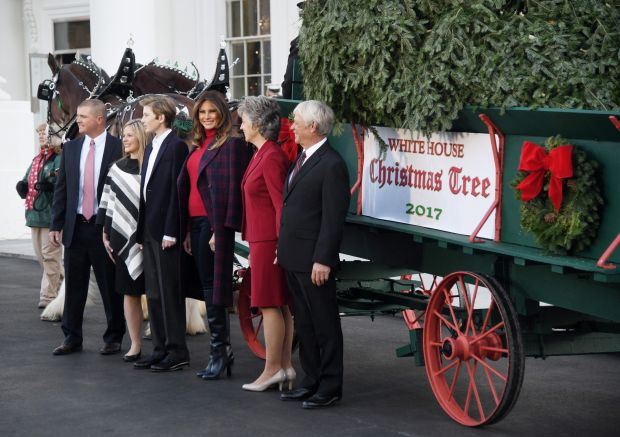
x=165 y=299
x=200 y=234
x=87 y=250
x=317 y=323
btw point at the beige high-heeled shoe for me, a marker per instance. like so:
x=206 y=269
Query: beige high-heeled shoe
x=290 y=377
x=278 y=378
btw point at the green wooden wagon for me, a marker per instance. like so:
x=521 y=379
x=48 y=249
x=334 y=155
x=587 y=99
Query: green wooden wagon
x=476 y=308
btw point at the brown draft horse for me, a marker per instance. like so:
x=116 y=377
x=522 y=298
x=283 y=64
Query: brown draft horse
x=83 y=79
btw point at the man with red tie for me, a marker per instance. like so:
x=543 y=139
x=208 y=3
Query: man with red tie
x=83 y=169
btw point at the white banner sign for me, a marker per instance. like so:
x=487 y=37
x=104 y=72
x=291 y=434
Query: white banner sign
x=446 y=182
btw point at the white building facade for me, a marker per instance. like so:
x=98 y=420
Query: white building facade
x=256 y=32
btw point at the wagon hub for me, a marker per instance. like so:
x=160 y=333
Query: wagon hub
x=457 y=348
x=489 y=347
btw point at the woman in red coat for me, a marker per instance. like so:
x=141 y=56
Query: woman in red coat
x=210 y=206
x=262 y=202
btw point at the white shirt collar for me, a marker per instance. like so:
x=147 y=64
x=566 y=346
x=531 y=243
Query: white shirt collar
x=312 y=149
x=160 y=138
x=99 y=139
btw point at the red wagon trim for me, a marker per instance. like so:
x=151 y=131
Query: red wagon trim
x=499 y=164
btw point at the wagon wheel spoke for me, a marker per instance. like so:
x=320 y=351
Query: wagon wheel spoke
x=474 y=387
x=487 y=333
x=455 y=378
x=464 y=296
x=495 y=349
x=257 y=330
x=454 y=319
x=472 y=306
x=446 y=368
x=491 y=369
x=446 y=322
x=491 y=385
x=488 y=315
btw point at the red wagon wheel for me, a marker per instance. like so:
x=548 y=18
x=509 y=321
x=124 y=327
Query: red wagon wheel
x=472 y=349
x=251 y=323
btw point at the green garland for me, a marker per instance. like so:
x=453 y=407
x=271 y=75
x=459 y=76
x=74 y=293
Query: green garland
x=417 y=63
x=574 y=227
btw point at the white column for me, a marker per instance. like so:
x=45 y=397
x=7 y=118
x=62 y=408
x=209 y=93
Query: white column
x=198 y=27
x=112 y=21
x=17 y=127
x=14 y=62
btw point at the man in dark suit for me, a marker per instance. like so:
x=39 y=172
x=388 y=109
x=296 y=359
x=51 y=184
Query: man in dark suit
x=158 y=232
x=83 y=169
x=316 y=199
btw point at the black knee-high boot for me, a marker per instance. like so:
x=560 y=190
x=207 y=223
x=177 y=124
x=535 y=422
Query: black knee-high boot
x=221 y=357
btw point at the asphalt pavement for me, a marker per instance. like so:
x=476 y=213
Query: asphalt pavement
x=87 y=394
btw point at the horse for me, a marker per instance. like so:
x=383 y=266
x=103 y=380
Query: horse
x=82 y=79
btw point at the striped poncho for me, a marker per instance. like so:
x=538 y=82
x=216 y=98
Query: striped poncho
x=118 y=212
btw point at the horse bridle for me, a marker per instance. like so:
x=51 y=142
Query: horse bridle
x=48 y=90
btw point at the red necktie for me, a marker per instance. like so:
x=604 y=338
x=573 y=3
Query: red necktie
x=88 y=194
x=300 y=161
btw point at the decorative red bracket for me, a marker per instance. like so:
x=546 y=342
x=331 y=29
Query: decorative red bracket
x=498 y=158
x=358 y=137
x=602 y=261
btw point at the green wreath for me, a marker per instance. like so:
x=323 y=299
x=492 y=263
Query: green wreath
x=574 y=227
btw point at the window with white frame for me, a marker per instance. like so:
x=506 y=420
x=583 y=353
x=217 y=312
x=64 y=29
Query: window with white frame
x=249 y=40
x=69 y=38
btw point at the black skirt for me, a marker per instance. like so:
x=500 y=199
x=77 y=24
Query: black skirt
x=125 y=284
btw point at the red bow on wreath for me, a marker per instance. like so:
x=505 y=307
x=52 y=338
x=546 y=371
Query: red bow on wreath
x=534 y=158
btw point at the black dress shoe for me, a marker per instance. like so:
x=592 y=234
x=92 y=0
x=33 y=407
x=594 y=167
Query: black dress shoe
x=320 y=401
x=169 y=365
x=146 y=363
x=66 y=349
x=299 y=394
x=110 y=349
x=132 y=358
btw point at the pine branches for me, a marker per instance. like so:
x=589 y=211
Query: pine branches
x=417 y=63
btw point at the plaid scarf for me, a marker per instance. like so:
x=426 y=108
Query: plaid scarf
x=33 y=177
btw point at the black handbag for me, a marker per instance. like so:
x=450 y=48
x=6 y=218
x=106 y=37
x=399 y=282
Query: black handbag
x=22 y=189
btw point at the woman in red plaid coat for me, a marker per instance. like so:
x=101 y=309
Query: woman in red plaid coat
x=210 y=205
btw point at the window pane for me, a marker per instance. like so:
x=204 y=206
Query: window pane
x=266 y=81
x=237 y=52
x=254 y=57
x=266 y=57
x=238 y=87
x=234 y=18
x=72 y=35
x=250 y=20
x=264 y=20
x=254 y=86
